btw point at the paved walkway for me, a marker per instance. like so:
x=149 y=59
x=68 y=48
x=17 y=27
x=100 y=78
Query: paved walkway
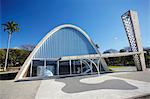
x=114 y=85
x=18 y=90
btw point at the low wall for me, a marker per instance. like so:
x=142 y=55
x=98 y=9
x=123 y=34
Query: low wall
x=8 y=75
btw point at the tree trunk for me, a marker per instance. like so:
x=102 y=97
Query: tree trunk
x=6 y=59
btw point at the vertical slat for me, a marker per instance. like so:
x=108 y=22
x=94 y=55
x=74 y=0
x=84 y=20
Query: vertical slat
x=81 y=66
x=74 y=69
x=58 y=67
x=91 y=67
x=70 y=67
x=65 y=42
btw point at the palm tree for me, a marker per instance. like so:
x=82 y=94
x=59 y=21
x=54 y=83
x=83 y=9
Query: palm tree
x=10 y=27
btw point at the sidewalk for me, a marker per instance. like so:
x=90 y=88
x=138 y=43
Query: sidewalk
x=121 y=85
x=115 y=86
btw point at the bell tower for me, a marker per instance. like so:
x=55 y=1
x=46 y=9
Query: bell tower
x=132 y=28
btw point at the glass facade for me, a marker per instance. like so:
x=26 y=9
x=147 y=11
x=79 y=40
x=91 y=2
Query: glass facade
x=47 y=68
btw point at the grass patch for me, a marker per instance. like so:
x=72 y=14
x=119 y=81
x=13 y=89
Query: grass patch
x=115 y=66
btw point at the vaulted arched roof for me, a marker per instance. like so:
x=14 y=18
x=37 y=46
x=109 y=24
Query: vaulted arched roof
x=56 y=44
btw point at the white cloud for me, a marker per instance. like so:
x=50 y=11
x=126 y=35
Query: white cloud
x=16 y=47
x=116 y=38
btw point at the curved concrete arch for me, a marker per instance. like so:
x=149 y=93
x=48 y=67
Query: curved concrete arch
x=94 y=65
x=85 y=62
x=30 y=57
x=99 y=65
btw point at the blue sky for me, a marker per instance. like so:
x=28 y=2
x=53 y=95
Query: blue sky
x=101 y=19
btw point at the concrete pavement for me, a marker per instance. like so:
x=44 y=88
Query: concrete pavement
x=120 y=85
x=96 y=87
x=18 y=90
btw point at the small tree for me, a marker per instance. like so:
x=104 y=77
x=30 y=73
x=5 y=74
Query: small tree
x=2 y=57
x=10 y=27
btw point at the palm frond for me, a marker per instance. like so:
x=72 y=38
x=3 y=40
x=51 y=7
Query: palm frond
x=11 y=27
